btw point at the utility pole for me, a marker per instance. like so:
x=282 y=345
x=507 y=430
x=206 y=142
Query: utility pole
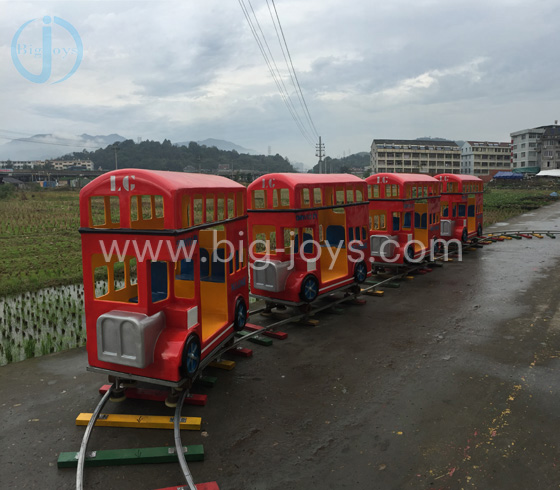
x=116 y=148
x=320 y=152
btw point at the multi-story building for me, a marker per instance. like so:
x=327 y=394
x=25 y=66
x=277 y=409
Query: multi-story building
x=416 y=156
x=548 y=148
x=524 y=144
x=72 y=164
x=485 y=157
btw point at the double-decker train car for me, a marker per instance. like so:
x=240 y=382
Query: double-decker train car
x=404 y=216
x=165 y=271
x=461 y=206
x=308 y=235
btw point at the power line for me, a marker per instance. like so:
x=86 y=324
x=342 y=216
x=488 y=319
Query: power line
x=298 y=90
x=275 y=72
x=277 y=77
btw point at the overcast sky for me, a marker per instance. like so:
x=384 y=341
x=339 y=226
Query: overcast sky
x=191 y=70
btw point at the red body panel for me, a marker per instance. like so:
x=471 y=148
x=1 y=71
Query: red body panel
x=456 y=189
x=323 y=208
x=134 y=244
x=398 y=198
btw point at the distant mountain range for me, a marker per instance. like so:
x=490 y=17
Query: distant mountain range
x=55 y=145
x=221 y=145
x=48 y=146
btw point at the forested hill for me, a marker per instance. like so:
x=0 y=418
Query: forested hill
x=344 y=165
x=193 y=158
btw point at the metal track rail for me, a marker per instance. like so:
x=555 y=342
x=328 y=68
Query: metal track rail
x=179 y=445
x=85 y=440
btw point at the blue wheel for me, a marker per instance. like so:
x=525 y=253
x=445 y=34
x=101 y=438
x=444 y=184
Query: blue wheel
x=191 y=357
x=309 y=289
x=360 y=272
x=240 y=319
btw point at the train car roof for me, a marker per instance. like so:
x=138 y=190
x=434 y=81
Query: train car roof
x=401 y=178
x=296 y=179
x=458 y=178
x=156 y=181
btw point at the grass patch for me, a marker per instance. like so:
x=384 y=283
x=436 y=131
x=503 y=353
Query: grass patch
x=503 y=204
x=39 y=240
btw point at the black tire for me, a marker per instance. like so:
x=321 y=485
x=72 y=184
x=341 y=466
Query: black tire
x=360 y=272
x=479 y=231
x=465 y=236
x=191 y=357
x=240 y=315
x=309 y=289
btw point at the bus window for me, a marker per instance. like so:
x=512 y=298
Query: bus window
x=159 y=281
x=259 y=199
x=305 y=199
x=364 y=233
x=395 y=190
x=115 y=281
x=396 y=221
x=275 y=198
x=414 y=192
x=424 y=221
x=454 y=210
x=321 y=237
x=285 y=198
x=349 y=195
x=462 y=210
x=220 y=207
x=445 y=210
x=407 y=222
x=104 y=212
x=306 y=240
x=388 y=190
x=197 y=210
x=471 y=211
x=186 y=219
x=382 y=221
x=230 y=206
x=290 y=235
x=317 y=196
x=146 y=212
x=416 y=220
x=339 y=195
x=359 y=195
x=184 y=279
x=375 y=191
x=210 y=208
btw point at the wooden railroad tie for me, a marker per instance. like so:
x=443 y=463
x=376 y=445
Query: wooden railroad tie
x=256 y=339
x=145 y=455
x=157 y=395
x=374 y=293
x=139 y=421
x=275 y=335
x=199 y=486
x=223 y=364
x=241 y=352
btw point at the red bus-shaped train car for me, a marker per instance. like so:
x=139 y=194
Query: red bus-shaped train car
x=162 y=289
x=308 y=235
x=461 y=206
x=403 y=216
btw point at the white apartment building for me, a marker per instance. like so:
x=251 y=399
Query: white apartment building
x=69 y=164
x=415 y=156
x=485 y=157
x=524 y=147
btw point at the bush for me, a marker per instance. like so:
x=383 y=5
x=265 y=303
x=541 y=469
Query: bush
x=6 y=191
